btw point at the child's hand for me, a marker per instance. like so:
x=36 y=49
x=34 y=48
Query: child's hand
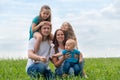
x=67 y=56
x=41 y=23
x=44 y=22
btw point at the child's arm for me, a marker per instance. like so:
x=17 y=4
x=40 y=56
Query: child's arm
x=38 y=38
x=36 y=27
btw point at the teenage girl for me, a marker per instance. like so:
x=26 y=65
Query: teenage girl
x=43 y=18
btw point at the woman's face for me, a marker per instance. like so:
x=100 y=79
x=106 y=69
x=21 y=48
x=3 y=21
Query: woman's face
x=60 y=36
x=45 y=30
x=65 y=27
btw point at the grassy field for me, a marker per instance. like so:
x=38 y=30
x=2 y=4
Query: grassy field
x=96 y=69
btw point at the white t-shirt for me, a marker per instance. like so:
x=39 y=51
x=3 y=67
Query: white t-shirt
x=43 y=51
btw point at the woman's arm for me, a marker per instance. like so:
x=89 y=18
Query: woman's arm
x=34 y=56
x=80 y=57
x=57 y=55
x=57 y=62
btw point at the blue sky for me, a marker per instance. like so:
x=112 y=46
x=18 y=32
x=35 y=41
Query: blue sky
x=96 y=24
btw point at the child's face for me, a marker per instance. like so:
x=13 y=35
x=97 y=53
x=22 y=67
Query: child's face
x=65 y=27
x=45 y=14
x=69 y=45
x=60 y=36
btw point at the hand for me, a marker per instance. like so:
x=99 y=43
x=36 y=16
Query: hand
x=44 y=22
x=47 y=22
x=76 y=56
x=43 y=59
x=41 y=23
x=80 y=60
x=67 y=56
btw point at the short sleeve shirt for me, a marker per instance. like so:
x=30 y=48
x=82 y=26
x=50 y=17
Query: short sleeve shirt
x=72 y=55
x=36 y=20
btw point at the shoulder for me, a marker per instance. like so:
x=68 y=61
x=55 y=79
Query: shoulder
x=32 y=41
x=77 y=51
x=36 y=19
x=64 y=51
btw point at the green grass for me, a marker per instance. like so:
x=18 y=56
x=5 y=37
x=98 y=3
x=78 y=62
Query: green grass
x=96 y=69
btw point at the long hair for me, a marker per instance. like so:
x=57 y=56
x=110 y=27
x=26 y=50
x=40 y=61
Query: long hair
x=49 y=37
x=70 y=32
x=55 y=42
x=47 y=8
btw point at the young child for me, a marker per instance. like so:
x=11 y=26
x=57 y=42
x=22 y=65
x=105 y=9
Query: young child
x=69 y=33
x=44 y=17
x=74 y=57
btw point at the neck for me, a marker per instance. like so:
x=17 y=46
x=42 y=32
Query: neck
x=61 y=45
x=44 y=38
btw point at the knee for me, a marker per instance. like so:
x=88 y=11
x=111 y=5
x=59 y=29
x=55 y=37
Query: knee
x=37 y=36
x=36 y=68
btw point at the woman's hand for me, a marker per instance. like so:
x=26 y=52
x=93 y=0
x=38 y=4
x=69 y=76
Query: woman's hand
x=80 y=60
x=43 y=59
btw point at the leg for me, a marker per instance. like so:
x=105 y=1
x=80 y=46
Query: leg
x=35 y=70
x=38 y=38
x=66 y=67
x=59 y=71
x=77 y=69
x=82 y=72
x=49 y=74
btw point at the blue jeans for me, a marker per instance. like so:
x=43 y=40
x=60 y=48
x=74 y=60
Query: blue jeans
x=59 y=70
x=76 y=67
x=35 y=70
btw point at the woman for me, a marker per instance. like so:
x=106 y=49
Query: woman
x=59 y=40
x=38 y=62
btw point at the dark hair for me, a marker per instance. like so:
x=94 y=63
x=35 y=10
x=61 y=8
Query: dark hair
x=47 y=8
x=55 y=42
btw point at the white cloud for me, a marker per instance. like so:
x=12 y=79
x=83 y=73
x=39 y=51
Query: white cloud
x=96 y=29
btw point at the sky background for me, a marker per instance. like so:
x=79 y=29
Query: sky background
x=96 y=24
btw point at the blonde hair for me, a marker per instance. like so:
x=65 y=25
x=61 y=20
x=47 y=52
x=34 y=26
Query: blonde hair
x=70 y=32
x=71 y=42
